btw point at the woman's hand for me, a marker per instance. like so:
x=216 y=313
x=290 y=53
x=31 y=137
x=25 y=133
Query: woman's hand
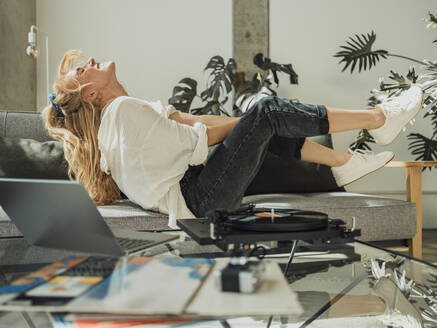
x=218 y=127
x=217 y=133
x=184 y=118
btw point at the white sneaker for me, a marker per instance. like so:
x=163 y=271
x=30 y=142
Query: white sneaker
x=360 y=164
x=398 y=112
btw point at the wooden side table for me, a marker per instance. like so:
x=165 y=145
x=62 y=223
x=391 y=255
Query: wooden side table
x=414 y=194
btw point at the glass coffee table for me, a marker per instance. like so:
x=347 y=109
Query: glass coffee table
x=358 y=286
x=380 y=288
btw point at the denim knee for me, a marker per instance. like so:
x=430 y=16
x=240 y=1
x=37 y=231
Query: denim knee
x=274 y=103
x=313 y=119
x=261 y=106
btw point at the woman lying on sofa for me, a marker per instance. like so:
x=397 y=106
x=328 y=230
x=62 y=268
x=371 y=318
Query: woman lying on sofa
x=157 y=156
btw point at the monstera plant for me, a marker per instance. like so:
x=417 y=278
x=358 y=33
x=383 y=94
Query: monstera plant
x=358 y=53
x=222 y=82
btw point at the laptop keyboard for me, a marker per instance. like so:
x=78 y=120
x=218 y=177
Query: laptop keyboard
x=103 y=266
x=129 y=244
x=93 y=266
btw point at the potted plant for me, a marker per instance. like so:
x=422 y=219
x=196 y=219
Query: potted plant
x=224 y=79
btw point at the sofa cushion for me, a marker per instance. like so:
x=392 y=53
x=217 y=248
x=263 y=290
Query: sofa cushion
x=27 y=158
x=378 y=218
x=125 y=214
x=26 y=125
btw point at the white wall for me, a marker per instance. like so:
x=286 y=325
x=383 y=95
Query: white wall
x=308 y=33
x=155 y=43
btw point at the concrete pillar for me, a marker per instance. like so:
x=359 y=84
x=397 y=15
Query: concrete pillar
x=250 y=33
x=17 y=71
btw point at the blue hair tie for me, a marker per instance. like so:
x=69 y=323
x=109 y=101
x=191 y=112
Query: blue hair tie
x=52 y=97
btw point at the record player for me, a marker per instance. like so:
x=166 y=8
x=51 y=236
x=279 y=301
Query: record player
x=244 y=232
x=246 y=227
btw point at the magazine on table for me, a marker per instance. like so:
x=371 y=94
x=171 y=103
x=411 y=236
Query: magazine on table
x=136 y=285
x=148 y=286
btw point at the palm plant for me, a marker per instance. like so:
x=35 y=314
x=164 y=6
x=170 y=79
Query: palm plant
x=358 y=53
x=222 y=82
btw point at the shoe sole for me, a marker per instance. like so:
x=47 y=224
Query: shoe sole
x=405 y=124
x=369 y=172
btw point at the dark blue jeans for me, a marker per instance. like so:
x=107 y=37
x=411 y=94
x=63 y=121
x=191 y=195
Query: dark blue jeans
x=273 y=124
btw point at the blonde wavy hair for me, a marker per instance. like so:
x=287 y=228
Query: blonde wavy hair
x=76 y=125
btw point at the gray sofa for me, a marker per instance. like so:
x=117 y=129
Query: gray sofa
x=378 y=218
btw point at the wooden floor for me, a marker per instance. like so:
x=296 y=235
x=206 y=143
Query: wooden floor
x=429 y=246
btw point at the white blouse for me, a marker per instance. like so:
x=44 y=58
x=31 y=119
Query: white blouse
x=147 y=153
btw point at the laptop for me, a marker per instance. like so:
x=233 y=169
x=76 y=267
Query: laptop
x=60 y=214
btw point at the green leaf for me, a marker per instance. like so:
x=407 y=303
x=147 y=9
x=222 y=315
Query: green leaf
x=215 y=62
x=206 y=93
x=248 y=87
x=393 y=89
x=266 y=64
x=361 y=141
x=216 y=92
x=359 y=50
x=224 y=101
x=431 y=111
x=190 y=82
x=424 y=148
x=228 y=84
x=211 y=107
x=178 y=89
x=220 y=81
x=431 y=68
x=183 y=94
x=400 y=82
x=231 y=65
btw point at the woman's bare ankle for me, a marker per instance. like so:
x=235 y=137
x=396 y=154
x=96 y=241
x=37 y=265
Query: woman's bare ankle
x=342 y=159
x=379 y=118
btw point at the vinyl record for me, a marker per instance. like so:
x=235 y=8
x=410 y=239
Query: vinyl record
x=279 y=220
